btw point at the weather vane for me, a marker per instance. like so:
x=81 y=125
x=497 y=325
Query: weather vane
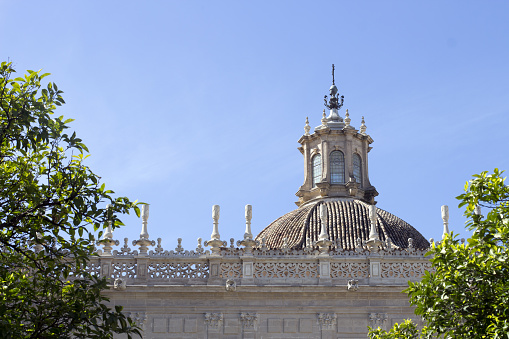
x=336 y=101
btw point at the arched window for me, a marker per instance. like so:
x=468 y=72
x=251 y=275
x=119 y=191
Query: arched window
x=337 y=167
x=357 y=168
x=317 y=169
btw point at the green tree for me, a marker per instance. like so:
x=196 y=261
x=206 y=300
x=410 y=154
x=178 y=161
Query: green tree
x=49 y=210
x=467 y=294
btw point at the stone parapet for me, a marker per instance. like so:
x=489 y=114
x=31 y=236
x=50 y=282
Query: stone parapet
x=262 y=266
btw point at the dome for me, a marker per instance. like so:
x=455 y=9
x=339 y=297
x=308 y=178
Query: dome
x=348 y=220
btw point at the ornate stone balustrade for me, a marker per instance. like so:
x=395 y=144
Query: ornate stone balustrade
x=250 y=262
x=260 y=266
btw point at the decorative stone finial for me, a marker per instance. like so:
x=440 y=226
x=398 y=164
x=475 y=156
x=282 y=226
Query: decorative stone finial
x=363 y=126
x=323 y=242
x=307 y=128
x=323 y=218
x=108 y=234
x=324 y=119
x=347 y=119
x=374 y=240
x=144 y=218
x=144 y=241
x=410 y=243
x=445 y=218
x=215 y=218
x=248 y=241
x=215 y=241
x=199 y=248
x=249 y=216
x=107 y=241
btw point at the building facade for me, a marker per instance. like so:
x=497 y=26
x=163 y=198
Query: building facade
x=329 y=269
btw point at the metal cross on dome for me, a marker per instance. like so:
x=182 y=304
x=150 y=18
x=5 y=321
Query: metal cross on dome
x=335 y=101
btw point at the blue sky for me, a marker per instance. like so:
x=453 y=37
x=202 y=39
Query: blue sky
x=186 y=104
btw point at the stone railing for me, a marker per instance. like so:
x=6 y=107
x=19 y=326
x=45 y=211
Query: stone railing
x=260 y=266
x=249 y=262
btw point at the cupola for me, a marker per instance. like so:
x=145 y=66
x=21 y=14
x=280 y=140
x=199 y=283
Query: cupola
x=337 y=201
x=335 y=156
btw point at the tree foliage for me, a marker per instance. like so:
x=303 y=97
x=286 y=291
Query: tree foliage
x=50 y=207
x=467 y=295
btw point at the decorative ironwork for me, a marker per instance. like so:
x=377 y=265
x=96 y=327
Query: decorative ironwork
x=335 y=101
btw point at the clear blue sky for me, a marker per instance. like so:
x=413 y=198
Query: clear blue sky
x=186 y=104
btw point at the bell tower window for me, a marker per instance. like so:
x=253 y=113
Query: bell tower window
x=337 y=167
x=357 y=168
x=317 y=169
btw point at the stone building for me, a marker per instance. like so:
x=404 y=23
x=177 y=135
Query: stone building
x=328 y=269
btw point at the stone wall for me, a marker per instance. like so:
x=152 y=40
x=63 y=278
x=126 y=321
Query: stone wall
x=260 y=292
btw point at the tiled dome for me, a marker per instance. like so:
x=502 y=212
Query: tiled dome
x=348 y=219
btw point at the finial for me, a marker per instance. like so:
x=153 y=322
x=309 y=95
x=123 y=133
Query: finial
x=347 y=119
x=307 y=128
x=363 y=126
x=445 y=219
x=323 y=242
x=333 y=74
x=373 y=233
x=374 y=239
x=215 y=241
x=108 y=234
x=248 y=241
x=410 y=243
x=324 y=119
x=144 y=218
x=335 y=101
x=215 y=218
x=249 y=216
x=144 y=241
x=107 y=241
x=323 y=219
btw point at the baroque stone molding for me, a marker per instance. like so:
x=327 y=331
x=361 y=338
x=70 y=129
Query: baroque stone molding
x=378 y=320
x=214 y=320
x=353 y=285
x=327 y=321
x=248 y=320
x=119 y=284
x=139 y=318
x=231 y=285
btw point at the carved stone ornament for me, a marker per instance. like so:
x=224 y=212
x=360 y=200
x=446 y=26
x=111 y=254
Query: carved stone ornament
x=231 y=285
x=353 y=285
x=214 y=320
x=139 y=318
x=248 y=320
x=119 y=284
x=378 y=320
x=327 y=321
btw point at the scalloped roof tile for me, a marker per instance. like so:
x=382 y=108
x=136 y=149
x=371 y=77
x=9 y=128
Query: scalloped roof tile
x=348 y=219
